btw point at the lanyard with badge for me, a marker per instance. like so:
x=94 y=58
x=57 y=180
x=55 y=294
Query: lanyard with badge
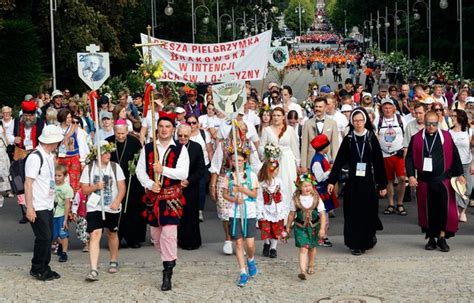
x=428 y=161
x=52 y=183
x=361 y=166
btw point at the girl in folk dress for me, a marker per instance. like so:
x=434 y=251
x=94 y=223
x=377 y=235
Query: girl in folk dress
x=308 y=213
x=271 y=210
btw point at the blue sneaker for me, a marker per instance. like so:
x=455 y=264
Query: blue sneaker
x=244 y=278
x=252 y=265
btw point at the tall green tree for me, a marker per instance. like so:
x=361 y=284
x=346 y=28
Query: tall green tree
x=292 y=15
x=20 y=55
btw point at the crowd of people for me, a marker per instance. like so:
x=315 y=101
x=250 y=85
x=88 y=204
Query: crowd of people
x=283 y=172
x=321 y=37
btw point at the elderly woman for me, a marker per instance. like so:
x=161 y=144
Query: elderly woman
x=360 y=149
x=463 y=139
x=189 y=235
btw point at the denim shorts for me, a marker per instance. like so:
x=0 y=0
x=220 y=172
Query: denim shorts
x=58 y=231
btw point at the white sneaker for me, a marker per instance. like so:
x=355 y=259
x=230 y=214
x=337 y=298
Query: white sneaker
x=201 y=217
x=227 y=249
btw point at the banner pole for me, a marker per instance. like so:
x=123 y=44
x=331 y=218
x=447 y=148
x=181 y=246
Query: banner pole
x=99 y=160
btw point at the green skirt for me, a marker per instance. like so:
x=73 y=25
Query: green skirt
x=306 y=237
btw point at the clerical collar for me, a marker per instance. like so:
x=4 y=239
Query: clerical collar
x=360 y=134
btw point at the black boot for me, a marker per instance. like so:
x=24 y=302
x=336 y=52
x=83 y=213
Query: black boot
x=23 y=219
x=167 y=274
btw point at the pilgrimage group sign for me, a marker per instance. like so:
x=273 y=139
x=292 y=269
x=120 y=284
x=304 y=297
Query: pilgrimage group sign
x=93 y=67
x=244 y=59
x=229 y=97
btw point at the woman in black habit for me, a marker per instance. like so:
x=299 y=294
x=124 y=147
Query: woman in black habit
x=360 y=150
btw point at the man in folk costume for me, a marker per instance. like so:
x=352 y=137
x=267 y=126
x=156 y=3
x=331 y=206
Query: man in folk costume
x=434 y=158
x=26 y=130
x=132 y=226
x=164 y=199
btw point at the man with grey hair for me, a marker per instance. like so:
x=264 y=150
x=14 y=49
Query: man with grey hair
x=132 y=227
x=189 y=235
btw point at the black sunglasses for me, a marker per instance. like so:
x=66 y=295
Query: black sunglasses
x=192 y=122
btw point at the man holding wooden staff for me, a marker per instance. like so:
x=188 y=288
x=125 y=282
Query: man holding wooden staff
x=162 y=165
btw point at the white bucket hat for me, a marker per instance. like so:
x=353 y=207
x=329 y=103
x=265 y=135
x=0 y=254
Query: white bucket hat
x=56 y=93
x=51 y=134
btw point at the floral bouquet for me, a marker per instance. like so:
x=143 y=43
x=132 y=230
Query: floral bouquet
x=272 y=152
x=104 y=148
x=284 y=236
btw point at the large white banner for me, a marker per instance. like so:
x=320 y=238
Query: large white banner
x=245 y=59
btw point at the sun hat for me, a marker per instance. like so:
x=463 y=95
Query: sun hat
x=51 y=134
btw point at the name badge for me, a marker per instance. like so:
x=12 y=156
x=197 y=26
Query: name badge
x=428 y=164
x=52 y=188
x=360 y=169
x=28 y=145
x=62 y=151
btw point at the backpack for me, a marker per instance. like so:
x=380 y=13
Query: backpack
x=400 y=124
x=16 y=175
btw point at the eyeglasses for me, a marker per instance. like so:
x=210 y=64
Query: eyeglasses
x=431 y=123
x=75 y=122
x=438 y=109
x=182 y=136
x=383 y=91
x=192 y=122
x=275 y=96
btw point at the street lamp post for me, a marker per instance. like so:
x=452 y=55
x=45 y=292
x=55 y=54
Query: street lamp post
x=444 y=5
x=228 y=26
x=52 y=9
x=205 y=20
x=398 y=22
x=300 y=11
x=345 y=23
x=417 y=16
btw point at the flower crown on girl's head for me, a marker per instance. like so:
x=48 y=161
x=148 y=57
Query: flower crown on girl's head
x=306 y=177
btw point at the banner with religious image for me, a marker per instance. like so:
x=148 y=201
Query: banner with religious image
x=244 y=59
x=230 y=97
x=279 y=57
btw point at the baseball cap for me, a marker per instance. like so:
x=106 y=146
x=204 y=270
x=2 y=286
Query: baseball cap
x=325 y=89
x=346 y=108
x=387 y=101
x=105 y=115
x=179 y=110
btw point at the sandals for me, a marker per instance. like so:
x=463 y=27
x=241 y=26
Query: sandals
x=113 y=267
x=401 y=210
x=389 y=210
x=310 y=270
x=92 y=276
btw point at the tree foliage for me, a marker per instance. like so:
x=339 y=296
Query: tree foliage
x=21 y=70
x=445 y=27
x=292 y=15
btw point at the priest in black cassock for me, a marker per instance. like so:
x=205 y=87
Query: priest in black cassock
x=189 y=234
x=432 y=160
x=132 y=226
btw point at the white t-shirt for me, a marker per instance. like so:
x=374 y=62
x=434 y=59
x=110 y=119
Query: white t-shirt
x=306 y=202
x=462 y=140
x=110 y=190
x=146 y=122
x=250 y=206
x=43 y=184
x=252 y=118
x=206 y=122
x=390 y=135
x=199 y=139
